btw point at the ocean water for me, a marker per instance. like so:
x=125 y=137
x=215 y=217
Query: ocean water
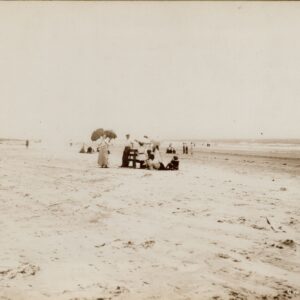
x=289 y=148
x=274 y=147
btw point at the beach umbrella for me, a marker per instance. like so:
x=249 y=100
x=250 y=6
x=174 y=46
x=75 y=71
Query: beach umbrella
x=110 y=134
x=97 y=134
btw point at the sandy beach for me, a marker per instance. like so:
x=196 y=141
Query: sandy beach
x=224 y=226
x=217 y=78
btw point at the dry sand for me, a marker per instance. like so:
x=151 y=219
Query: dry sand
x=223 y=227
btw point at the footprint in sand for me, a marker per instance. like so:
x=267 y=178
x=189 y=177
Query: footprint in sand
x=119 y=290
x=237 y=296
x=222 y=255
x=258 y=227
x=97 y=196
x=288 y=243
x=293 y=221
x=148 y=244
x=98 y=246
x=146 y=175
x=129 y=244
x=288 y=293
x=24 y=270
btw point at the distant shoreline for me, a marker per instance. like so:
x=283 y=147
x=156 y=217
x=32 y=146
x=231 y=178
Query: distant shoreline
x=11 y=140
x=254 y=153
x=258 y=141
x=200 y=140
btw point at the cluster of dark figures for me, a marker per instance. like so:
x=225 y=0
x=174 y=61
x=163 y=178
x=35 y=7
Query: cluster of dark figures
x=150 y=161
x=89 y=150
x=147 y=156
x=143 y=154
x=171 y=150
x=186 y=149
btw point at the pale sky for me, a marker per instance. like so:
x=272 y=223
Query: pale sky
x=166 y=69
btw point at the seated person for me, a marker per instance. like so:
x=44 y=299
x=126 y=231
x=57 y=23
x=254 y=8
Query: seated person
x=149 y=152
x=171 y=149
x=157 y=158
x=82 y=150
x=90 y=150
x=145 y=158
x=142 y=156
x=173 y=164
x=151 y=163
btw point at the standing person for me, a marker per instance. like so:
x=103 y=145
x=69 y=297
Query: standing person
x=183 y=148
x=192 y=148
x=128 y=146
x=186 y=149
x=103 y=153
x=27 y=143
x=147 y=142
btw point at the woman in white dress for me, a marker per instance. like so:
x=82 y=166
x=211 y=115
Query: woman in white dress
x=103 y=152
x=155 y=161
x=142 y=157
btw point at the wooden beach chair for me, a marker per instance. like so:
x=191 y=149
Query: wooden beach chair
x=132 y=157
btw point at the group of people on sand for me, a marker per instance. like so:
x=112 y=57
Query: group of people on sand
x=170 y=149
x=146 y=154
x=185 y=148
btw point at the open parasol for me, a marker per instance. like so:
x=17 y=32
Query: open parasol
x=110 y=134
x=97 y=134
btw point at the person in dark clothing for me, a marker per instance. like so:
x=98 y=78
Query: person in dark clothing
x=125 y=161
x=89 y=150
x=161 y=166
x=149 y=152
x=173 y=164
x=128 y=146
x=170 y=149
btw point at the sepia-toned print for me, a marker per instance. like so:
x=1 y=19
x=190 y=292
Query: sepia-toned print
x=149 y=150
